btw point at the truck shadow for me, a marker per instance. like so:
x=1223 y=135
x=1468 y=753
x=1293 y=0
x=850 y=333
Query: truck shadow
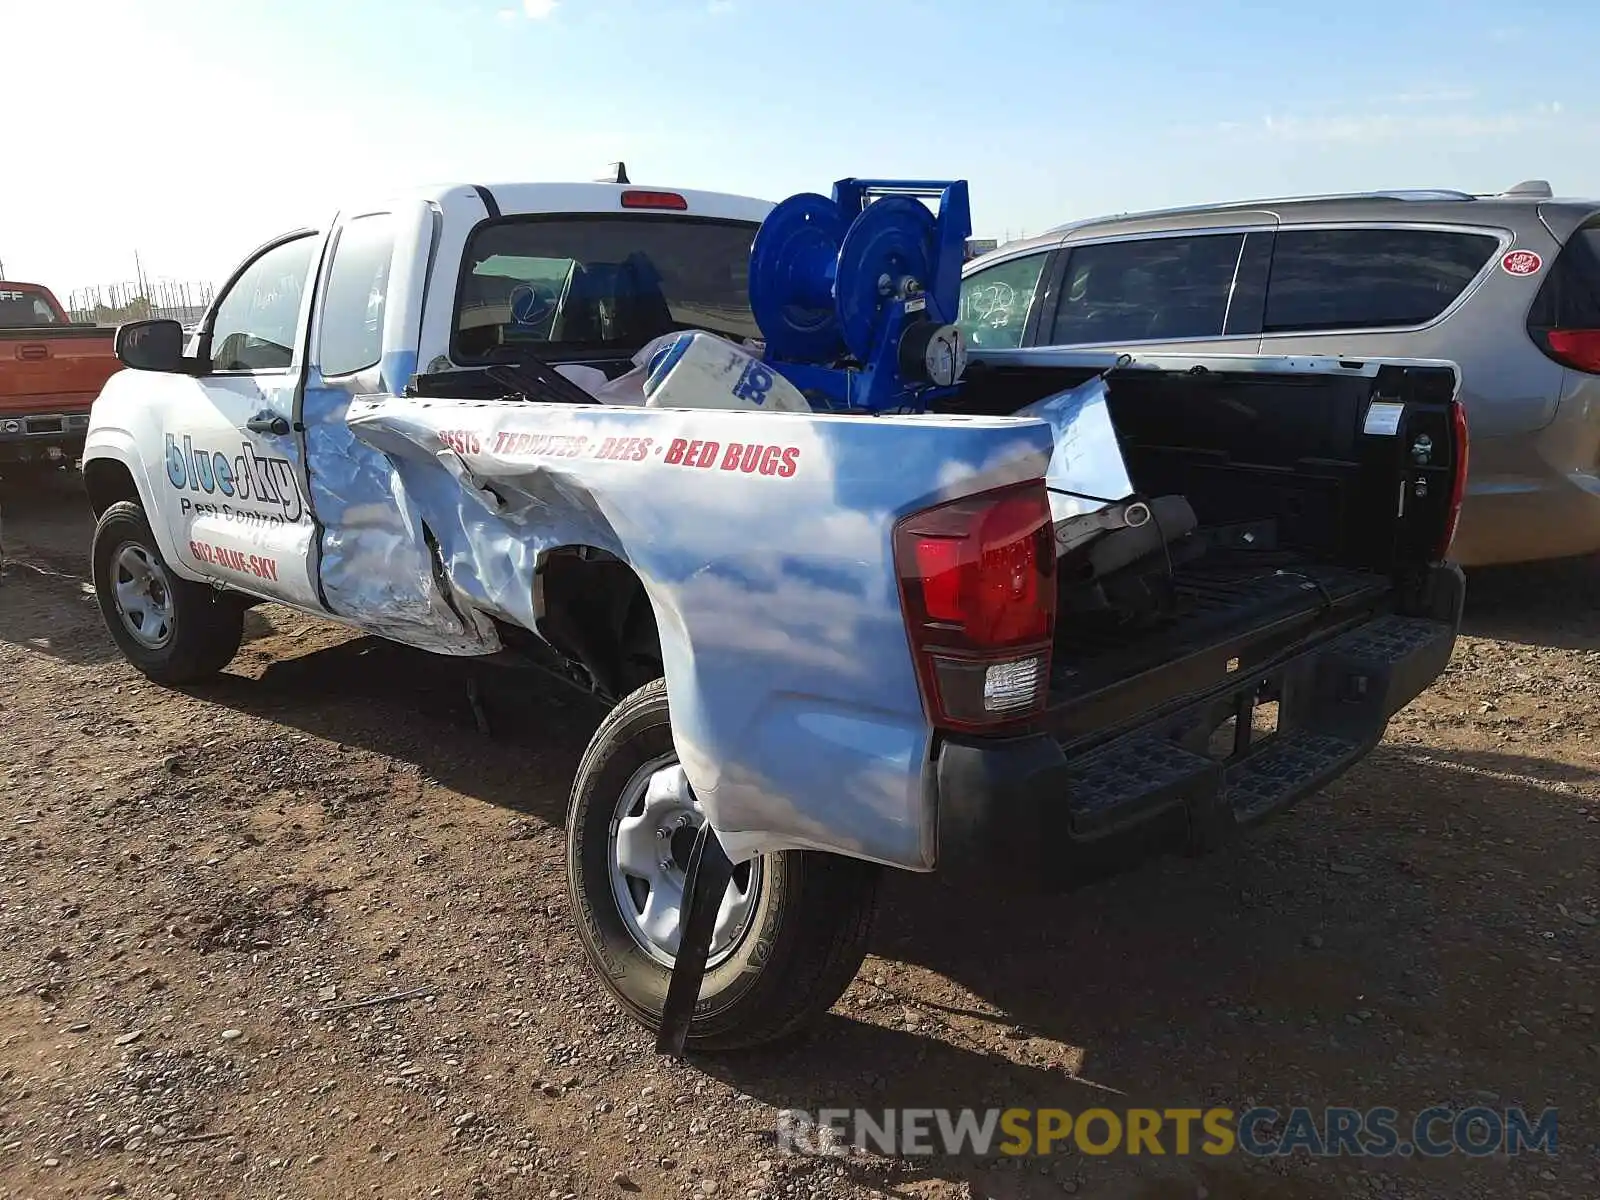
x=48 y=611
x=416 y=707
x=1369 y=949
x=45 y=603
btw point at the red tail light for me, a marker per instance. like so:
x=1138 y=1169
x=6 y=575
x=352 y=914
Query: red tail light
x=978 y=586
x=1458 y=482
x=669 y=200
x=1578 y=348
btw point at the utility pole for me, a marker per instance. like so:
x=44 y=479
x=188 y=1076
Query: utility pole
x=138 y=272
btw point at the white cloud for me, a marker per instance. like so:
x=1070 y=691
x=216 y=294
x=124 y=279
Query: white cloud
x=1381 y=127
x=721 y=8
x=538 y=10
x=1438 y=95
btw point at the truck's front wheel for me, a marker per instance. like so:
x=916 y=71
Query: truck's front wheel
x=793 y=926
x=173 y=630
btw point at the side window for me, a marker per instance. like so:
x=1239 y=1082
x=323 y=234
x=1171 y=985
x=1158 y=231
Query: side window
x=255 y=325
x=358 y=283
x=995 y=302
x=1148 y=289
x=1369 y=278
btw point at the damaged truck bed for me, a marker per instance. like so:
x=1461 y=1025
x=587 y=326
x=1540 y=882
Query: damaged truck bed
x=1074 y=612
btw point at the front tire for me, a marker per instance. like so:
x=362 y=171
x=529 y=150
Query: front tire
x=792 y=931
x=173 y=630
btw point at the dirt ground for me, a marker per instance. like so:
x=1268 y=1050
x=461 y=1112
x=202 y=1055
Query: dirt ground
x=192 y=884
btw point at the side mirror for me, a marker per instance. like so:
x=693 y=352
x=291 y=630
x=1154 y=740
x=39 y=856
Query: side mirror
x=153 y=346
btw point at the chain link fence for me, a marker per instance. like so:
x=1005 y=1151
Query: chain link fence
x=115 y=303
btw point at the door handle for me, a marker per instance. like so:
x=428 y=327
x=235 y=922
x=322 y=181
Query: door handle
x=267 y=423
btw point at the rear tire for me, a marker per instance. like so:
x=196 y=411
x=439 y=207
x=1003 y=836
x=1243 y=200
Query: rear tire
x=793 y=954
x=173 y=630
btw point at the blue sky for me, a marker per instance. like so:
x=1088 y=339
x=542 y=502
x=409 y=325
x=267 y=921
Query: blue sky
x=189 y=130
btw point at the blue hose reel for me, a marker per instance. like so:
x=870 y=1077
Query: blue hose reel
x=857 y=296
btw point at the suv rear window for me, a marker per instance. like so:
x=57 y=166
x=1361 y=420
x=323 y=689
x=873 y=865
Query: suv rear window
x=22 y=310
x=1147 y=289
x=1369 y=278
x=1570 y=295
x=1564 y=320
x=600 y=282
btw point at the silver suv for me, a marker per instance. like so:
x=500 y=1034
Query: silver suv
x=1506 y=286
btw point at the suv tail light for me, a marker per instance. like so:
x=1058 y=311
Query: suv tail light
x=1458 y=481
x=978 y=587
x=1578 y=348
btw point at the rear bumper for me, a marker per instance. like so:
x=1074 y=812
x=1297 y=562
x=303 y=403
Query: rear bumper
x=25 y=435
x=1027 y=811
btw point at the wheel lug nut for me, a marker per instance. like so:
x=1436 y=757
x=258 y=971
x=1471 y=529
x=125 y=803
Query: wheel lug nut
x=666 y=864
x=663 y=834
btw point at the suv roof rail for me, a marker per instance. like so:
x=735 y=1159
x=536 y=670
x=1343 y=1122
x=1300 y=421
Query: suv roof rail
x=1422 y=194
x=1410 y=194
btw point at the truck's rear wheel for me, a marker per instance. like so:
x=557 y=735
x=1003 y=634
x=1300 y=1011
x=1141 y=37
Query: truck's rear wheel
x=173 y=630
x=792 y=929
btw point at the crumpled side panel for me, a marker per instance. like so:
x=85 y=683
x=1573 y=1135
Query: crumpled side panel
x=764 y=542
x=376 y=568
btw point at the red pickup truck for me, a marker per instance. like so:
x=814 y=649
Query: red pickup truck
x=50 y=372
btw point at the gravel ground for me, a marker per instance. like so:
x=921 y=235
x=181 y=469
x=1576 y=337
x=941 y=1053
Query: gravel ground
x=197 y=888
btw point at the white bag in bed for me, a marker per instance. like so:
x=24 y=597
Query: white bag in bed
x=701 y=370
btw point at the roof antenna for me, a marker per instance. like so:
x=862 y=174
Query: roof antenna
x=1531 y=187
x=615 y=173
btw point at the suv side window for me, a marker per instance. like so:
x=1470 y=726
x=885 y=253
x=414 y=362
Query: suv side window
x=1369 y=278
x=254 y=329
x=358 y=286
x=996 y=301
x=1147 y=289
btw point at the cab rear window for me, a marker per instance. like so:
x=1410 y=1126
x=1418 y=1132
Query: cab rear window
x=600 y=282
x=24 y=310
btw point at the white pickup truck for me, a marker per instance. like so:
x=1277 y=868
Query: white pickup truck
x=831 y=641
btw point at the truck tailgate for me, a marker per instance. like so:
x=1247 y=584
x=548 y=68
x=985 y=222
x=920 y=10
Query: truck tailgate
x=52 y=370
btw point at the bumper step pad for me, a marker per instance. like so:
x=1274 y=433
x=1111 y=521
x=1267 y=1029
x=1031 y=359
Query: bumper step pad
x=1391 y=639
x=1128 y=781
x=1131 y=778
x=1287 y=766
